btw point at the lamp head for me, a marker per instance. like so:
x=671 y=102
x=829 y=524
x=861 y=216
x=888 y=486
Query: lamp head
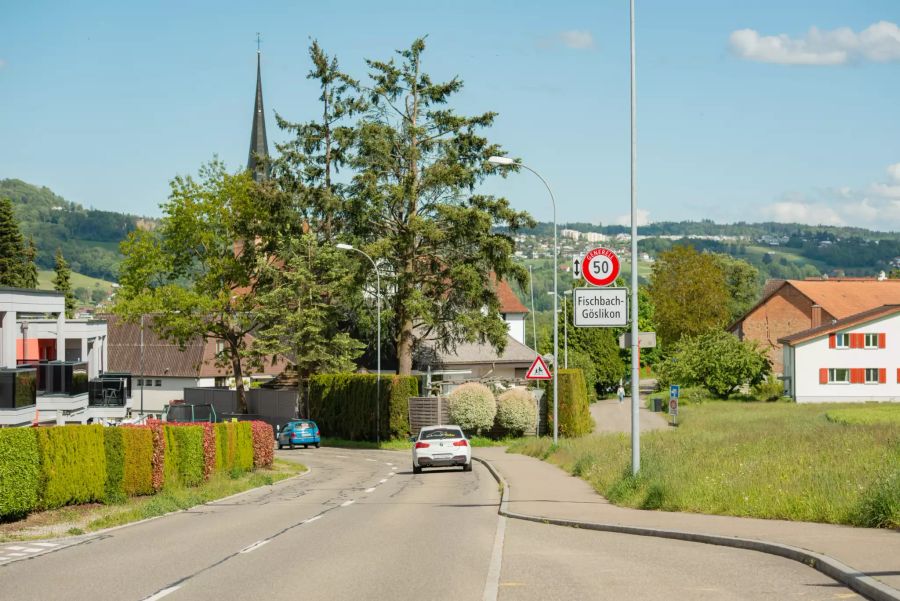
x=501 y=161
x=343 y=246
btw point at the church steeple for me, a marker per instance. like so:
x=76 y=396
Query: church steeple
x=259 y=146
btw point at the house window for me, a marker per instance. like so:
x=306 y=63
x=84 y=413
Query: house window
x=220 y=347
x=839 y=375
x=140 y=382
x=159 y=382
x=842 y=341
x=871 y=375
x=871 y=342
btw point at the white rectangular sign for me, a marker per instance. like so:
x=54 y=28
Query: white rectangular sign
x=600 y=307
x=576 y=266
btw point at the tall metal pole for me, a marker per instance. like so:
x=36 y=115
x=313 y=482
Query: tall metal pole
x=566 y=331
x=635 y=358
x=378 y=355
x=142 y=365
x=534 y=339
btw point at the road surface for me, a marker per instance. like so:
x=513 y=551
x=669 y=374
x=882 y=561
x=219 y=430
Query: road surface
x=360 y=525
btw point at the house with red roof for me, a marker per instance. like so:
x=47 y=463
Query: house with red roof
x=791 y=306
x=852 y=359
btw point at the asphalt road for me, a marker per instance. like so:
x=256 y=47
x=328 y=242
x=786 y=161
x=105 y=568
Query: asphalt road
x=360 y=525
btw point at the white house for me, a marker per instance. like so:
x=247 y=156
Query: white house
x=50 y=366
x=854 y=359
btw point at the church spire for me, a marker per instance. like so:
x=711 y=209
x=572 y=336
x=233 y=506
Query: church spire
x=259 y=146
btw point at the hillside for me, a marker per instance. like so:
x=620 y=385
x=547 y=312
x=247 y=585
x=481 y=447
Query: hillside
x=88 y=238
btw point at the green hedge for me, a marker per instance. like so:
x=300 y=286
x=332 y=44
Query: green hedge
x=20 y=471
x=574 y=410
x=343 y=405
x=184 y=455
x=234 y=447
x=138 y=461
x=73 y=465
x=114 y=445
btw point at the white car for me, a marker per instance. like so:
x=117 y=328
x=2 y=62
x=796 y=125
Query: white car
x=441 y=446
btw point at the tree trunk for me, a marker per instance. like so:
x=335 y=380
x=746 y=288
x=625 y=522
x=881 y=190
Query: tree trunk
x=238 y=370
x=404 y=348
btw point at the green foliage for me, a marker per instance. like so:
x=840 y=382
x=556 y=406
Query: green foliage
x=770 y=389
x=574 y=410
x=472 y=407
x=19 y=472
x=226 y=446
x=867 y=414
x=138 y=461
x=763 y=460
x=73 y=465
x=343 y=405
x=62 y=283
x=114 y=446
x=184 y=455
x=743 y=283
x=716 y=360
x=517 y=411
x=243 y=457
x=689 y=294
x=16 y=262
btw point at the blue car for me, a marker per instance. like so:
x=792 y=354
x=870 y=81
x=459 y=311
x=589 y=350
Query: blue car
x=301 y=431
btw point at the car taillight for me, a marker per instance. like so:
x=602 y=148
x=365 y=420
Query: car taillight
x=421 y=445
x=461 y=443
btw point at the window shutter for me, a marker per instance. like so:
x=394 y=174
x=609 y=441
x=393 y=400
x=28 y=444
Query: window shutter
x=882 y=340
x=898 y=375
x=882 y=376
x=854 y=341
x=857 y=375
x=832 y=340
x=823 y=375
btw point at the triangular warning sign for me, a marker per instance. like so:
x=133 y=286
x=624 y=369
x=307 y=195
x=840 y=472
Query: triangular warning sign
x=538 y=370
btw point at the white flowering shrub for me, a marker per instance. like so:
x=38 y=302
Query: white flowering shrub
x=516 y=410
x=472 y=407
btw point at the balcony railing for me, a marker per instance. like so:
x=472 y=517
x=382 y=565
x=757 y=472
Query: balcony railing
x=63 y=378
x=108 y=392
x=18 y=388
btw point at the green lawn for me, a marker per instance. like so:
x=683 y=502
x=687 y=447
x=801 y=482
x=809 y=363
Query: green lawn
x=45 y=281
x=765 y=460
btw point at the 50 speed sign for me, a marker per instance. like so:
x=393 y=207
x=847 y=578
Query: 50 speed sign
x=600 y=267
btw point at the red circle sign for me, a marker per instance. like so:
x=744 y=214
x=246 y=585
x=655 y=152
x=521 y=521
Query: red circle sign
x=600 y=267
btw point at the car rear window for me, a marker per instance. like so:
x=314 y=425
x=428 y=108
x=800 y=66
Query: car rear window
x=440 y=434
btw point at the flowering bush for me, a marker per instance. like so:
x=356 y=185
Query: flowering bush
x=473 y=407
x=263 y=444
x=516 y=410
x=159 y=454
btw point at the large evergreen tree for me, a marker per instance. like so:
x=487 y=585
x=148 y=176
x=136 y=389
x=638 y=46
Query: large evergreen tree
x=12 y=253
x=62 y=283
x=414 y=205
x=29 y=269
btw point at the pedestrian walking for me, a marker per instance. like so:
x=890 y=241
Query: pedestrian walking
x=620 y=393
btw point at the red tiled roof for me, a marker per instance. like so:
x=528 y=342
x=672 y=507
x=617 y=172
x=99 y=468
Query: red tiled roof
x=840 y=324
x=509 y=302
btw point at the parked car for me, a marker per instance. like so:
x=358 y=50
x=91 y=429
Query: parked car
x=441 y=446
x=301 y=431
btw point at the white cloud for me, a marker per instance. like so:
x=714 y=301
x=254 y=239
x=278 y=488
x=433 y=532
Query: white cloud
x=643 y=218
x=893 y=172
x=579 y=40
x=879 y=42
x=793 y=211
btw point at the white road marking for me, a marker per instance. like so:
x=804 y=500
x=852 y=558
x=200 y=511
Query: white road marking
x=492 y=584
x=394 y=467
x=16 y=548
x=343 y=456
x=382 y=481
x=347 y=503
x=18 y=554
x=391 y=474
x=45 y=544
x=370 y=489
x=254 y=546
x=375 y=460
x=313 y=519
x=163 y=593
x=388 y=463
x=32 y=550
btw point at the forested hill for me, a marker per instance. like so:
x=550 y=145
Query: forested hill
x=88 y=238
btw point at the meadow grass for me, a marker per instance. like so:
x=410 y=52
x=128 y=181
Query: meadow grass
x=764 y=460
x=870 y=413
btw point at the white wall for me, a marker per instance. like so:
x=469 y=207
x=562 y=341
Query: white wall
x=810 y=356
x=157 y=397
x=516 y=324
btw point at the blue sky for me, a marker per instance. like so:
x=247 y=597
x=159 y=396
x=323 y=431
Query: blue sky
x=744 y=111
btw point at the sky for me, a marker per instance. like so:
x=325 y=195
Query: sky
x=746 y=111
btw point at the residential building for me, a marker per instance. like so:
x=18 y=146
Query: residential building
x=52 y=367
x=854 y=359
x=595 y=237
x=791 y=306
x=571 y=234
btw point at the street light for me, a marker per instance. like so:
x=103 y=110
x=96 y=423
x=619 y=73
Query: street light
x=343 y=246
x=565 y=329
x=534 y=339
x=506 y=161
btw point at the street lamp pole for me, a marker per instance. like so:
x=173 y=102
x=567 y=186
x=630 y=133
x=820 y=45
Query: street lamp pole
x=506 y=161
x=534 y=339
x=142 y=365
x=635 y=359
x=378 y=338
x=566 y=326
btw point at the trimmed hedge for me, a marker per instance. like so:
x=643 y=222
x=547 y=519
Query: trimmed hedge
x=574 y=410
x=263 y=444
x=344 y=405
x=137 y=443
x=114 y=447
x=516 y=411
x=473 y=407
x=243 y=459
x=73 y=465
x=234 y=447
x=184 y=455
x=20 y=471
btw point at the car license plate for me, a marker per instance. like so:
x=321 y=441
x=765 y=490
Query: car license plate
x=442 y=455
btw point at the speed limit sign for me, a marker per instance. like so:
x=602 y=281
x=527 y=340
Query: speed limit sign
x=600 y=267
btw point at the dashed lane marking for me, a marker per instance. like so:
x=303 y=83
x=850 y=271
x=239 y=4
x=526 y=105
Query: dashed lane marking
x=163 y=593
x=347 y=503
x=382 y=481
x=45 y=545
x=16 y=548
x=254 y=546
x=313 y=519
x=370 y=489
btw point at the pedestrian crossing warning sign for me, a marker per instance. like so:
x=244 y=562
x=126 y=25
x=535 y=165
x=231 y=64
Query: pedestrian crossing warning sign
x=538 y=370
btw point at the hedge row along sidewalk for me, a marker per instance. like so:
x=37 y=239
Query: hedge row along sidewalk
x=45 y=468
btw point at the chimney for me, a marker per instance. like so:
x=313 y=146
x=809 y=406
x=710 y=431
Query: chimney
x=816 y=316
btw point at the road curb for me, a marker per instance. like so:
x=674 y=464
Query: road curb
x=852 y=578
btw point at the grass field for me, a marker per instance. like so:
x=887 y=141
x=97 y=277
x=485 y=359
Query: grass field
x=45 y=281
x=764 y=460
